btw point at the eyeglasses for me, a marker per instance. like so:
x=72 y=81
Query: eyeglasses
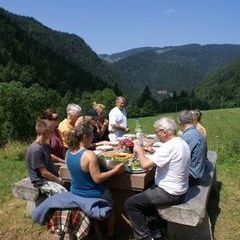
x=159 y=130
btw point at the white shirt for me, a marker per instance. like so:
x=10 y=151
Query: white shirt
x=117 y=116
x=172 y=160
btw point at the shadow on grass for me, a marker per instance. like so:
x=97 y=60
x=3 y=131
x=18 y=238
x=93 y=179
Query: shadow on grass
x=213 y=208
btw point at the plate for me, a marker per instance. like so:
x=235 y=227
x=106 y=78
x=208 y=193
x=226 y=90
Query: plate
x=98 y=152
x=113 y=143
x=151 y=136
x=129 y=170
x=129 y=135
x=105 y=148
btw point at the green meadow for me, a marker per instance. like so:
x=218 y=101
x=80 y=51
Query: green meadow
x=223 y=130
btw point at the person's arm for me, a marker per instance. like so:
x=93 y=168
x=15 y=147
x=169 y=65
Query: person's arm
x=94 y=169
x=113 y=123
x=49 y=176
x=145 y=162
x=117 y=126
x=102 y=129
x=56 y=159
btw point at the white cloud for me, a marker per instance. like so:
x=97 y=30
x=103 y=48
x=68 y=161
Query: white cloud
x=170 y=10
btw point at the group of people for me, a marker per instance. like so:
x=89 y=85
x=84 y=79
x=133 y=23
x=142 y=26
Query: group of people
x=180 y=161
x=71 y=141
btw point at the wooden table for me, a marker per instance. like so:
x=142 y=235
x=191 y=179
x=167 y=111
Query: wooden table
x=122 y=186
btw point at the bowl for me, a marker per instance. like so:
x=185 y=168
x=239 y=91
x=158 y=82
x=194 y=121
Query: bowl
x=107 y=164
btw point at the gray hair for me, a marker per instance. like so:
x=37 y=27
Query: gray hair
x=167 y=124
x=73 y=108
x=185 y=117
x=120 y=98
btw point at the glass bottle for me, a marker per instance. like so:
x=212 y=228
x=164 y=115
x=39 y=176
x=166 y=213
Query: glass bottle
x=139 y=132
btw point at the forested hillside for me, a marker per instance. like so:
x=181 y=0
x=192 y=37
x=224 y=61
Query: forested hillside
x=34 y=76
x=222 y=89
x=171 y=68
x=31 y=53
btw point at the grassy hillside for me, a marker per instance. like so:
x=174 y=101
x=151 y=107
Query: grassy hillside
x=223 y=136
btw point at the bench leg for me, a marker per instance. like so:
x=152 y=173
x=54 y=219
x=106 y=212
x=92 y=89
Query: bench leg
x=183 y=232
x=97 y=229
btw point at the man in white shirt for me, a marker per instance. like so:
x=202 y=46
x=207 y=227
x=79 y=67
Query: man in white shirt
x=118 y=120
x=172 y=162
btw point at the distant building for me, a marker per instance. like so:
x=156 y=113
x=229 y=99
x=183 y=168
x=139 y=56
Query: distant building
x=164 y=93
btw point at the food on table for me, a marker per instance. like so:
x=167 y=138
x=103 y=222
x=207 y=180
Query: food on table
x=135 y=165
x=118 y=156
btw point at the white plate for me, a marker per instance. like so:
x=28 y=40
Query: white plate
x=98 y=152
x=151 y=136
x=105 y=148
x=120 y=138
x=113 y=143
x=129 y=135
x=157 y=144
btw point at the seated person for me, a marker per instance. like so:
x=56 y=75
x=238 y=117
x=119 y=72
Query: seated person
x=85 y=171
x=197 y=144
x=197 y=115
x=67 y=125
x=170 y=184
x=55 y=141
x=90 y=119
x=42 y=172
x=102 y=122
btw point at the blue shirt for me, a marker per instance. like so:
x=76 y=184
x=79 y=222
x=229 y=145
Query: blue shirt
x=82 y=183
x=198 y=146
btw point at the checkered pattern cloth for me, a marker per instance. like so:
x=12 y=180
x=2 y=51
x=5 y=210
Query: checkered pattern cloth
x=49 y=188
x=72 y=221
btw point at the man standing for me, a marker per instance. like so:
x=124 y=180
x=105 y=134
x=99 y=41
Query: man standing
x=170 y=184
x=42 y=172
x=197 y=144
x=118 y=120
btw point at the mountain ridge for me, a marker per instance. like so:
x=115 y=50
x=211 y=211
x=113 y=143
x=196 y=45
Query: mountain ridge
x=171 y=68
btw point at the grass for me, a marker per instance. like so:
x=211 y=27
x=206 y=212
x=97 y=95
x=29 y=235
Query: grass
x=223 y=130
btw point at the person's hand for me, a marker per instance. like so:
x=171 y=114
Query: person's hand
x=137 y=148
x=126 y=130
x=149 y=149
x=105 y=122
x=119 y=168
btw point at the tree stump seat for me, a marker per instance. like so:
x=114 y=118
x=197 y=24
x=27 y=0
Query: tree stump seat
x=25 y=190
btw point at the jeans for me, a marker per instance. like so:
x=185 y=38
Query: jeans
x=141 y=209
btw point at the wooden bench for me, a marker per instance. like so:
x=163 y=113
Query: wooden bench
x=189 y=220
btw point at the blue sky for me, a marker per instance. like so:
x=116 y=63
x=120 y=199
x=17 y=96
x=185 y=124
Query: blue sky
x=110 y=26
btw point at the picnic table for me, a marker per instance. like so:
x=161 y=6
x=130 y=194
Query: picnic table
x=121 y=186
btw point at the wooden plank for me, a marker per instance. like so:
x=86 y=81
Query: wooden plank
x=192 y=211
